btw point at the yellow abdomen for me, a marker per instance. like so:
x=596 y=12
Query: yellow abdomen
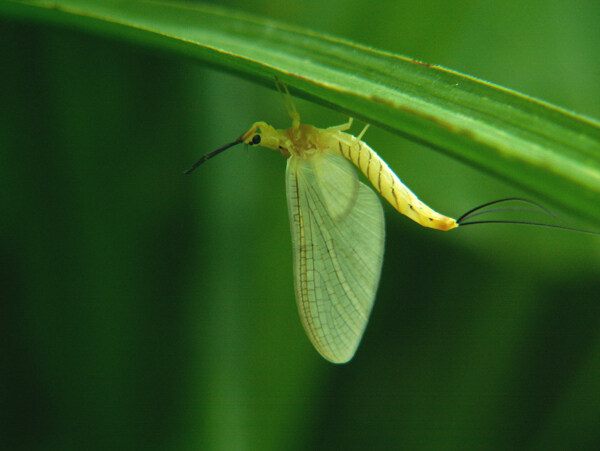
x=389 y=185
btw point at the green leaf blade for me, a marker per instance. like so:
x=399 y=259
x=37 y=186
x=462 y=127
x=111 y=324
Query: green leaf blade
x=537 y=146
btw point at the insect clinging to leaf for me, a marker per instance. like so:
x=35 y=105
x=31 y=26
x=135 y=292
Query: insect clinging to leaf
x=337 y=224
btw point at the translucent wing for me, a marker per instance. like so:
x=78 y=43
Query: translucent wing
x=337 y=183
x=337 y=257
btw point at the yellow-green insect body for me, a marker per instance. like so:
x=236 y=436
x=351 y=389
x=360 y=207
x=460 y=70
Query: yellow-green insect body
x=307 y=142
x=337 y=225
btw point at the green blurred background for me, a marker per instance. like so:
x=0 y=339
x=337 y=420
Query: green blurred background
x=142 y=309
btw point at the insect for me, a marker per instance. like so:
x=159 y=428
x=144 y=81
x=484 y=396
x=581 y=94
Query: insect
x=337 y=224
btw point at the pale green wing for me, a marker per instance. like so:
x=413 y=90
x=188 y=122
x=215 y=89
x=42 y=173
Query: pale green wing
x=337 y=259
x=337 y=182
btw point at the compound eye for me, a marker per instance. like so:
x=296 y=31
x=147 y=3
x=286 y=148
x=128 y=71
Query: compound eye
x=255 y=140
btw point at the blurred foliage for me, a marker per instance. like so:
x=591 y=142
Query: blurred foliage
x=145 y=309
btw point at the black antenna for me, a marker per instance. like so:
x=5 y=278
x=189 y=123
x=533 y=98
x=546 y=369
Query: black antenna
x=477 y=211
x=209 y=155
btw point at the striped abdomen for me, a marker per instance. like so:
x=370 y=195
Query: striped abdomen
x=389 y=185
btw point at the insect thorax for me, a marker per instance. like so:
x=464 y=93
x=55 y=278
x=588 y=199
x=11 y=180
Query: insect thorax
x=303 y=141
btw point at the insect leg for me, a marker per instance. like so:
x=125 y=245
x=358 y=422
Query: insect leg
x=287 y=102
x=342 y=127
x=364 y=130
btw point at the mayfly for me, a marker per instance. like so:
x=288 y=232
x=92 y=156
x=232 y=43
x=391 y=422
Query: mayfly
x=337 y=224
